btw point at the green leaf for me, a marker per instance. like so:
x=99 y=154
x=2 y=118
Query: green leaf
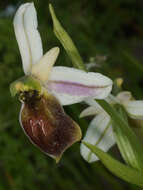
x=66 y=41
x=128 y=143
x=117 y=168
x=121 y=139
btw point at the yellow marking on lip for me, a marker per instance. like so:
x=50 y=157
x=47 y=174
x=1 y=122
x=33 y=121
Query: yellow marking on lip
x=18 y=85
x=21 y=86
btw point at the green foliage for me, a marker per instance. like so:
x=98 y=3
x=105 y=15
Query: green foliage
x=128 y=143
x=97 y=28
x=121 y=170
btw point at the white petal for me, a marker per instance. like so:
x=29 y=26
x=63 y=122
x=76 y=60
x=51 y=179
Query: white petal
x=134 y=108
x=28 y=38
x=71 y=85
x=99 y=133
x=43 y=68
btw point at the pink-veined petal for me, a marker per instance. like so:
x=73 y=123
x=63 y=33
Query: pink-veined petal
x=71 y=85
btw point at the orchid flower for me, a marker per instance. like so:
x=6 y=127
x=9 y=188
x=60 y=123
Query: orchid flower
x=100 y=132
x=46 y=87
x=134 y=108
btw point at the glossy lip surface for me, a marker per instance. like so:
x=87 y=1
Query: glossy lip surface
x=48 y=127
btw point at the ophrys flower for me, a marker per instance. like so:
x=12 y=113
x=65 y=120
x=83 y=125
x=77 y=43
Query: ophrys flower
x=45 y=88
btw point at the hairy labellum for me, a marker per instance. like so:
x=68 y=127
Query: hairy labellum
x=47 y=126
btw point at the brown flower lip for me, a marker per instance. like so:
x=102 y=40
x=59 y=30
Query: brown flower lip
x=47 y=125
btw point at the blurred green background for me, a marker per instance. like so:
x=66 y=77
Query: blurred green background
x=99 y=28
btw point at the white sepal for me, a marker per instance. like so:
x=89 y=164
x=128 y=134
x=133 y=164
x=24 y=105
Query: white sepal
x=21 y=38
x=27 y=35
x=99 y=133
x=78 y=76
x=33 y=36
x=134 y=108
x=71 y=85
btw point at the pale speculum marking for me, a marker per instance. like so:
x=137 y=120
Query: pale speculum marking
x=37 y=124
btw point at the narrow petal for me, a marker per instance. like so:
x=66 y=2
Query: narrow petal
x=99 y=133
x=92 y=102
x=124 y=96
x=91 y=110
x=134 y=108
x=28 y=38
x=88 y=111
x=71 y=85
x=43 y=68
